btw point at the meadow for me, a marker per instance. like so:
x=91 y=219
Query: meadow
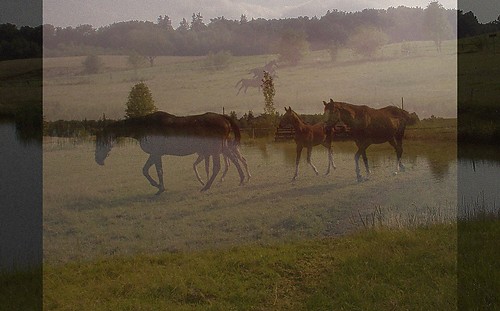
x=271 y=243
x=182 y=85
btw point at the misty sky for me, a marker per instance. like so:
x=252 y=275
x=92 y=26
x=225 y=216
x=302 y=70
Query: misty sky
x=105 y=12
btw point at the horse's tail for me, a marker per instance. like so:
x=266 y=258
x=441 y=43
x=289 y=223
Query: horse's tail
x=238 y=83
x=236 y=130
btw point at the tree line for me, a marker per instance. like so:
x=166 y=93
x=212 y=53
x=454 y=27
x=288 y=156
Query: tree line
x=18 y=43
x=243 y=36
x=238 y=37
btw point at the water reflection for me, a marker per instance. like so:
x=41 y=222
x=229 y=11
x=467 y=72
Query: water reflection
x=437 y=156
x=20 y=199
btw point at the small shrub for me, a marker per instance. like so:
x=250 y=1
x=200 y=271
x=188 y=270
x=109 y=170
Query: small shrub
x=92 y=64
x=218 y=61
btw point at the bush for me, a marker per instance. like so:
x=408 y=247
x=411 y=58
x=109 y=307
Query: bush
x=92 y=64
x=218 y=61
x=366 y=41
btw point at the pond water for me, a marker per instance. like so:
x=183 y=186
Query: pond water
x=479 y=179
x=20 y=201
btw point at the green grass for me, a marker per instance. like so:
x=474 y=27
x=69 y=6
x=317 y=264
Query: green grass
x=181 y=85
x=21 y=290
x=372 y=270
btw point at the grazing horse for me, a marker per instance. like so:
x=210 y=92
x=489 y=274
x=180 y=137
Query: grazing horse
x=161 y=133
x=308 y=136
x=246 y=83
x=234 y=148
x=371 y=126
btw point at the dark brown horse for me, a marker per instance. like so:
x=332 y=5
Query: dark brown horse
x=371 y=126
x=308 y=136
x=161 y=133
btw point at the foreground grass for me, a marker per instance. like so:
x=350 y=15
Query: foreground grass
x=21 y=290
x=371 y=270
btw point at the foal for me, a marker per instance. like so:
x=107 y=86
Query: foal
x=308 y=136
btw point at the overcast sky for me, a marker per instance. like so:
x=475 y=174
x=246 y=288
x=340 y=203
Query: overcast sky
x=104 y=12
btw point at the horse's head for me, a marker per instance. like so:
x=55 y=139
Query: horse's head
x=331 y=113
x=103 y=145
x=287 y=118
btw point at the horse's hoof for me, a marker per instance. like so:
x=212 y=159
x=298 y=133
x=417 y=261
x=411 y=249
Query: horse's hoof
x=160 y=191
x=395 y=173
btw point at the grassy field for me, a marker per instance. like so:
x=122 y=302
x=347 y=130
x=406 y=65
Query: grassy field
x=180 y=85
x=372 y=270
x=92 y=211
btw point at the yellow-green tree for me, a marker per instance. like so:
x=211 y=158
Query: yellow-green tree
x=140 y=101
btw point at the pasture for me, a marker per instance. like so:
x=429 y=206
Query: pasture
x=181 y=85
x=100 y=221
x=94 y=212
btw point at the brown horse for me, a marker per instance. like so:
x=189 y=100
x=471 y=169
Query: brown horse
x=371 y=126
x=234 y=148
x=308 y=136
x=161 y=133
x=246 y=83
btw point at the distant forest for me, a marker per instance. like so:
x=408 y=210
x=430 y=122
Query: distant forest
x=239 y=37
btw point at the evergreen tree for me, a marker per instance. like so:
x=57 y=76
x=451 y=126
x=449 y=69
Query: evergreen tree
x=140 y=101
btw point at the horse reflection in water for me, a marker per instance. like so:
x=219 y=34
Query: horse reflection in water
x=307 y=136
x=161 y=133
x=235 y=150
x=371 y=126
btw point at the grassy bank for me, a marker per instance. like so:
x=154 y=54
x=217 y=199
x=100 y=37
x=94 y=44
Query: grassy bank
x=371 y=270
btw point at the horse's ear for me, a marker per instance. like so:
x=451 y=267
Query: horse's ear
x=286 y=109
x=331 y=100
x=289 y=108
x=324 y=103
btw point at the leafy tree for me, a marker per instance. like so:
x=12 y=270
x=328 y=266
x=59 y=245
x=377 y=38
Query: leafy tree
x=367 y=40
x=197 y=22
x=92 y=64
x=436 y=24
x=140 y=101
x=269 y=92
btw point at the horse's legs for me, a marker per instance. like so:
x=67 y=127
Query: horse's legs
x=229 y=154
x=200 y=158
x=309 y=152
x=159 y=171
x=226 y=166
x=365 y=160
x=216 y=169
x=297 y=161
x=331 y=164
x=397 y=143
x=145 y=171
x=356 y=161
